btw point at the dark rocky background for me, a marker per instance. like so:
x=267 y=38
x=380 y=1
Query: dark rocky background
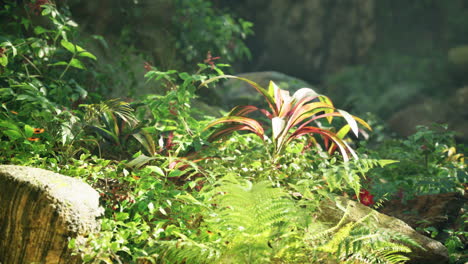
x=406 y=62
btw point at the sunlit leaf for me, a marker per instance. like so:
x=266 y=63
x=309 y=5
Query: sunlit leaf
x=39 y=30
x=385 y=162
x=87 y=54
x=278 y=125
x=60 y=63
x=3 y=61
x=28 y=130
x=77 y=64
x=156 y=170
x=343 y=131
x=352 y=123
x=303 y=93
x=139 y=161
x=12 y=134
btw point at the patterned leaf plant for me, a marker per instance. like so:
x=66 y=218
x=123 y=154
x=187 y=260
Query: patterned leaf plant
x=291 y=117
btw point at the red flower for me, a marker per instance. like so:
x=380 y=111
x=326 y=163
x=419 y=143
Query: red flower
x=365 y=197
x=33 y=139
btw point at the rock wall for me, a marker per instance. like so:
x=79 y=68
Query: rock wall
x=308 y=38
x=40 y=211
x=451 y=110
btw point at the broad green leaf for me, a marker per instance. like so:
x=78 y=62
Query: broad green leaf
x=156 y=170
x=343 y=131
x=146 y=140
x=192 y=184
x=9 y=125
x=77 y=64
x=28 y=130
x=184 y=76
x=139 y=161
x=46 y=11
x=87 y=54
x=12 y=134
x=4 y=60
x=106 y=134
x=73 y=48
x=121 y=216
x=175 y=173
x=39 y=30
x=59 y=63
x=385 y=162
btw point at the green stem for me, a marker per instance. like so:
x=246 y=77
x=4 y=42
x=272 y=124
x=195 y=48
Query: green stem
x=32 y=64
x=68 y=66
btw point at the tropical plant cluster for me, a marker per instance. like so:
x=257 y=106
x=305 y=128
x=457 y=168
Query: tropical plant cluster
x=181 y=186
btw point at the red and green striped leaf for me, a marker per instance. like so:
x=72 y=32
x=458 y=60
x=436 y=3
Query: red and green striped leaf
x=308 y=111
x=242 y=110
x=343 y=146
x=250 y=124
x=227 y=130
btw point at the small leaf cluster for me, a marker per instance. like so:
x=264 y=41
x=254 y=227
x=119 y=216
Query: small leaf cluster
x=429 y=163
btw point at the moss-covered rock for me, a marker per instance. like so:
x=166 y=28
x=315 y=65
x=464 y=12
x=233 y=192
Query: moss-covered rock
x=40 y=211
x=432 y=251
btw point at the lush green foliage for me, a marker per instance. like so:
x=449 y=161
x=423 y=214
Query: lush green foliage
x=428 y=164
x=202 y=28
x=170 y=191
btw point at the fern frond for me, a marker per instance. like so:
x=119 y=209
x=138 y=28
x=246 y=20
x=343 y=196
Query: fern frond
x=111 y=107
x=360 y=242
x=186 y=250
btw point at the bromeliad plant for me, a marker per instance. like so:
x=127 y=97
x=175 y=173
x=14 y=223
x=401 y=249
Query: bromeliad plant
x=291 y=117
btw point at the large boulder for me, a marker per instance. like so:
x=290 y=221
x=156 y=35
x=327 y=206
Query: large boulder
x=432 y=251
x=458 y=61
x=309 y=38
x=425 y=111
x=40 y=211
x=235 y=92
x=440 y=211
